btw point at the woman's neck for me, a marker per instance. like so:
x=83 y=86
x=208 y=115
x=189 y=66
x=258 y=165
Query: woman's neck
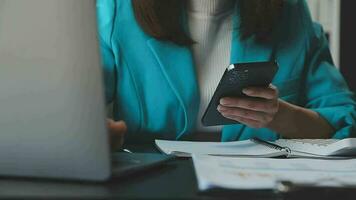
x=210 y=7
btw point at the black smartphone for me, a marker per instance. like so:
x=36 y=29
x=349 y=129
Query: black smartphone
x=236 y=78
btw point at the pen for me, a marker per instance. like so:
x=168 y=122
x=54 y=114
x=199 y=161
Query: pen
x=271 y=145
x=126 y=151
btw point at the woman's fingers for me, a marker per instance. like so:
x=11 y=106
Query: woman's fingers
x=270 y=92
x=117 y=131
x=244 y=113
x=254 y=104
x=257 y=110
x=117 y=127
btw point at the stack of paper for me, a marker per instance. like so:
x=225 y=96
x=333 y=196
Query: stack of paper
x=265 y=173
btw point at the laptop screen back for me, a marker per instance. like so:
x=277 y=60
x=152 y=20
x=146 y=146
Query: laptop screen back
x=52 y=120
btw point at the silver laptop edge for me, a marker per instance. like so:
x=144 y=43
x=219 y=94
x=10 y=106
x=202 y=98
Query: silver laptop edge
x=52 y=112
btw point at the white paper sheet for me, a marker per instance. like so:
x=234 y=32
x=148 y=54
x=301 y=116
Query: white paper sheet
x=238 y=148
x=264 y=173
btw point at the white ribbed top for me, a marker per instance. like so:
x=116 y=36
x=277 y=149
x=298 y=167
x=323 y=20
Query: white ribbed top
x=210 y=25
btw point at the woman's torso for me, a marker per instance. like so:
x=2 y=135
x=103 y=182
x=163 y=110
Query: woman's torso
x=157 y=90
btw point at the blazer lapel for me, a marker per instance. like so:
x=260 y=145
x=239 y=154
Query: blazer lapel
x=176 y=63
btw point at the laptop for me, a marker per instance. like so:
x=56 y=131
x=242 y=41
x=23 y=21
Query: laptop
x=52 y=108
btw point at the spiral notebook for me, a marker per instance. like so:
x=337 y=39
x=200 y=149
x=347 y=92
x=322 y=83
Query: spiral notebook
x=302 y=148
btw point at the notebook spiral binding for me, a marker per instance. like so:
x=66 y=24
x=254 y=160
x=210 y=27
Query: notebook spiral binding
x=272 y=145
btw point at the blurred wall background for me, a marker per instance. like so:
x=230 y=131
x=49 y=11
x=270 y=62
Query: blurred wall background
x=348 y=42
x=338 y=19
x=327 y=13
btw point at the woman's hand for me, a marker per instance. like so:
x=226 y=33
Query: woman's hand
x=257 y=110
x=117 y=131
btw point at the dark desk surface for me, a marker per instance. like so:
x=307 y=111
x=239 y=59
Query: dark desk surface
x=174 y=180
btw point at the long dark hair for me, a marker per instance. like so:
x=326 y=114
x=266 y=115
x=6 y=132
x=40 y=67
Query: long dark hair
x=162 y=19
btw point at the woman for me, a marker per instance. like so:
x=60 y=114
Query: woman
x=163 y=59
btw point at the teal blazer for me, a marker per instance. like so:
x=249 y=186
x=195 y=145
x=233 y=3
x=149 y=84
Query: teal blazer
x=153 y=84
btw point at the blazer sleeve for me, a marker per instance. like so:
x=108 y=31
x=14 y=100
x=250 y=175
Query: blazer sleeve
x=326 y=91
x=105 y=20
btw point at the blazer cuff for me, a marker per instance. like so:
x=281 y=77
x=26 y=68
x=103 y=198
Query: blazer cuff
x=342 y=119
